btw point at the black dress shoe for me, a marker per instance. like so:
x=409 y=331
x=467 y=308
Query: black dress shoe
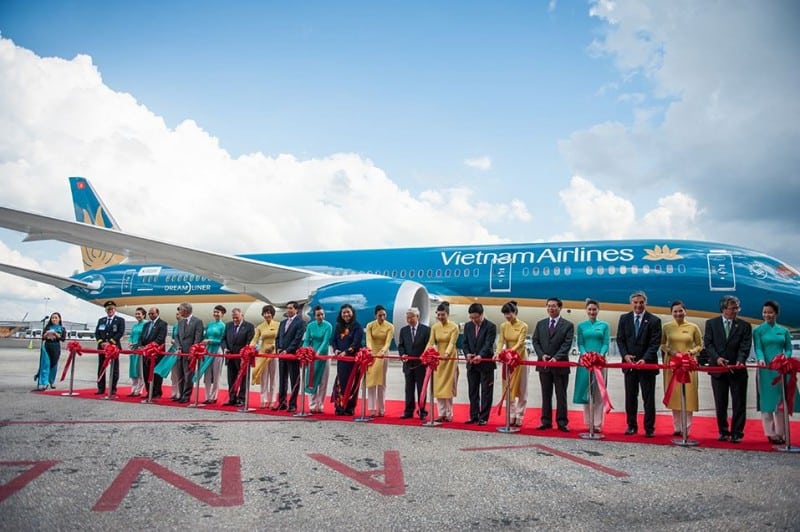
x=470 y=421
x=563 y=428
x=183 y=400
x=291 y=409
x=677 y=433
x=649 y=434
x=630 y=431
x=406 y=416
x=544 y=427
x=282 y=407
x=100 y=392
x=482 y=422
x=723 y=437
x=736 y=439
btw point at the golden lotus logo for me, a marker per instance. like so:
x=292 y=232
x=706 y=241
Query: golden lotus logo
x=93 y=258
x=662 y=253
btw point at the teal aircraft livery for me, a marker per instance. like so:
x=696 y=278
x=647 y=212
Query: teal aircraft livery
x=138 y=271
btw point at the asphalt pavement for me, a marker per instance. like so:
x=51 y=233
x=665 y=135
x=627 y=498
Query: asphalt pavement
x=69 y=463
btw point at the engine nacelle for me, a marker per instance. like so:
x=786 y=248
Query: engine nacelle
x=395 y=294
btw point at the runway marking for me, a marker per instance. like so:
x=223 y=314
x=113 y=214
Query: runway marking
x=230 y=493
x=127 y=421
x=562 y=454
x=392 y=472
x=22 y=480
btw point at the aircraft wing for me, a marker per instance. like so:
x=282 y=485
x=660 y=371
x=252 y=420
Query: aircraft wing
x=34 y=275
x=237 y=274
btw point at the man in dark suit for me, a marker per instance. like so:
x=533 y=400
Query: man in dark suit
x=410 y=345
x=109 y=330
x=479 y=338
x=190 y=332
x=154 y=330
x=290 y=339
x=552 y=340
x=727 y=342
x=238 y=333
x=638 y=340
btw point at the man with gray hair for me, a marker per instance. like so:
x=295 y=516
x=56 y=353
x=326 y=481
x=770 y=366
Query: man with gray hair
x=727 y=342
x=410 y=345
x=638 y=340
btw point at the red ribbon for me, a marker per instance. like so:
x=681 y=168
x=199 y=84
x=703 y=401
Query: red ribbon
x=595 y=362
x=248 y=356
x=786 y=366
x=430 y=358
x=682 y=366
x=75 y=348
x=510 y=360
x=363 y=360
x=111 y=353
x=196 y=354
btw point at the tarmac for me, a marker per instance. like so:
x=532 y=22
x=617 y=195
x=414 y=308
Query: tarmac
x=69 y=463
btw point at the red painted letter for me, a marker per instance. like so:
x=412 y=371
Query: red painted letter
x=21 y=480
x=230 y=493
x=393 y=483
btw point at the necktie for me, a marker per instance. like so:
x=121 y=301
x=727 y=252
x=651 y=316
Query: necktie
x=236 y=330
x=552 y=326
x=148 y=329
x=636 y=324
x=477 y=327
x=413 y=333
x=727 y=328
x=288 y=322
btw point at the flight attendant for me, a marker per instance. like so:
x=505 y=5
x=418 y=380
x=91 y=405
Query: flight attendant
x=379 y=339
x=512 y=336
x=264 y=338
x=444 y=335
x=135 y=361
x=318 y=337
x=680 y=336
x=212 y=367
x=593 y=337
x=770 y=340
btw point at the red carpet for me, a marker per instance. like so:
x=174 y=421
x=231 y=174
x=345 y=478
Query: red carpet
x=704 y=429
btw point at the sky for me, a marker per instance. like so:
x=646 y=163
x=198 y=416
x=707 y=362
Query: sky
x=259 y=126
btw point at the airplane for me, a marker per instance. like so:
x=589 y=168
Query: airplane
x=140 y=271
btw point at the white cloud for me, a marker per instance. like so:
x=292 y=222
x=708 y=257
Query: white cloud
x=603 y=214
x=481 y=163
x=58 y=118
x=712 y=87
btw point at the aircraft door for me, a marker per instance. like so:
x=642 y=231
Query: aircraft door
x=721 y=277
x=499 y=277
x=127 y=282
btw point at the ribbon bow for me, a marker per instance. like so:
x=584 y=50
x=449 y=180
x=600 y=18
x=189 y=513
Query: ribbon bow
x=786 y=366
x=111 y=353
x=75 y=348
x=150 y=351
x=682 y=366
x=306 y=356
x=595 y=362
x=196 y=354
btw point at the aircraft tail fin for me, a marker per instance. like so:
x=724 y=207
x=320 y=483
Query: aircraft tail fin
x=90 y=209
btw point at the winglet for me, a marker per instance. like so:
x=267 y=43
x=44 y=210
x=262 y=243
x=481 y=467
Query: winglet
x=90 y=209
